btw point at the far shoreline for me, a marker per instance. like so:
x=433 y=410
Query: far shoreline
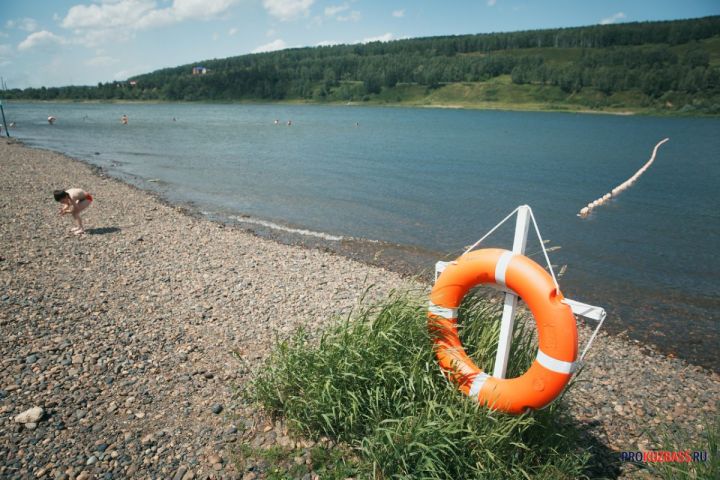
x=485 y=106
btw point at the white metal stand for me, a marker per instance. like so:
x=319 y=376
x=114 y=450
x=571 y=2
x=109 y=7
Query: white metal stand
x=522 y=223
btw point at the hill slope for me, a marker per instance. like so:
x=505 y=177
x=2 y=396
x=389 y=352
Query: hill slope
x=671 y=66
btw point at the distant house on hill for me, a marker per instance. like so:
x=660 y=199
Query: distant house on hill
x=199 y=70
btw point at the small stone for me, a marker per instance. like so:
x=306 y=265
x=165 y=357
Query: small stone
x=148 y=439
x=217 y=466
x=32 y=415
x=30 y=426
x=180 y=473
x=30 y=359
x=83 y=476
x=92 y=460
x=217 y=408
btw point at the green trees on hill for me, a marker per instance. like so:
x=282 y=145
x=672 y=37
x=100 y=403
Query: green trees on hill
x=655 y=59
x=654 y=70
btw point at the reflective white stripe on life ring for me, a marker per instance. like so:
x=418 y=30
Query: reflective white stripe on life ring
x=558 y=366
x=448 y=313
x=502 y=266
x=477 y=384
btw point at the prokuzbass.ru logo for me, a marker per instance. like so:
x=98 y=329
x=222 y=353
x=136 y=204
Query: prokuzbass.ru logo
x=664 y=456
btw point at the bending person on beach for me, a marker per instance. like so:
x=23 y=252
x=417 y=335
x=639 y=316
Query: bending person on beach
x=74 y=201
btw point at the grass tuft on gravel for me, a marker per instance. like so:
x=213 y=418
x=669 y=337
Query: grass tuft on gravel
x=372 y=384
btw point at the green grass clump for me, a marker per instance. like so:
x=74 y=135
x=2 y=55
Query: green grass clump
x=372 y=383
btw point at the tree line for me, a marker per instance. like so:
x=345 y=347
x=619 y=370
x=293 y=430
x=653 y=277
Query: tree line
x=651 y=57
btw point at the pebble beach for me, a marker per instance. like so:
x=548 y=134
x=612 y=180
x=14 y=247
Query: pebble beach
x=122 y=350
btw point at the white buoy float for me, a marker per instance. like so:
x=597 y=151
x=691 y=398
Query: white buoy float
x=585 y=211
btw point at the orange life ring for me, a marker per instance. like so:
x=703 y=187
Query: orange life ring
x=557 y=332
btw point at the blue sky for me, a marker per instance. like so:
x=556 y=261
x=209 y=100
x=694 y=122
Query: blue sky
x=83 y=42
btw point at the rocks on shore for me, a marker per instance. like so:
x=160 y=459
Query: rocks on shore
x=32 y=415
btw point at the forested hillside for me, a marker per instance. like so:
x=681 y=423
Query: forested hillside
x=654 y=66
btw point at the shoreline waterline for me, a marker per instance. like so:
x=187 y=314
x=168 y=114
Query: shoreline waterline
x=388 y=173
x=490 y=107
x=411 y=262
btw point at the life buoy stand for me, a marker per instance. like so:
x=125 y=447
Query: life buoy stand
x=557 y=332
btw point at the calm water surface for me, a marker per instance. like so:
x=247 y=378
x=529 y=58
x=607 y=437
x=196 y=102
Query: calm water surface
x=431 y=181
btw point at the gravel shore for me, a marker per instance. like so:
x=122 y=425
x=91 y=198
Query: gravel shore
x=133 y=338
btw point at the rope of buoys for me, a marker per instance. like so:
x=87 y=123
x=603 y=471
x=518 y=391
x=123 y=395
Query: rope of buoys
x=585 y=211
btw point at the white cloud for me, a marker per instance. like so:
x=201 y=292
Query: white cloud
x=121 y=14
x=26 y=24
x=130 y=72
x=41 y=39
x=333 y=10
x=232 y=31
x=491 y=3
x=380 y=38
x=612 y=18
x=101 y=61
x=353 y=16
x=398 y=13
x=327 y=43
x=288 y=9
x=277 y=44
x=193 y=9
x=140 y=14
